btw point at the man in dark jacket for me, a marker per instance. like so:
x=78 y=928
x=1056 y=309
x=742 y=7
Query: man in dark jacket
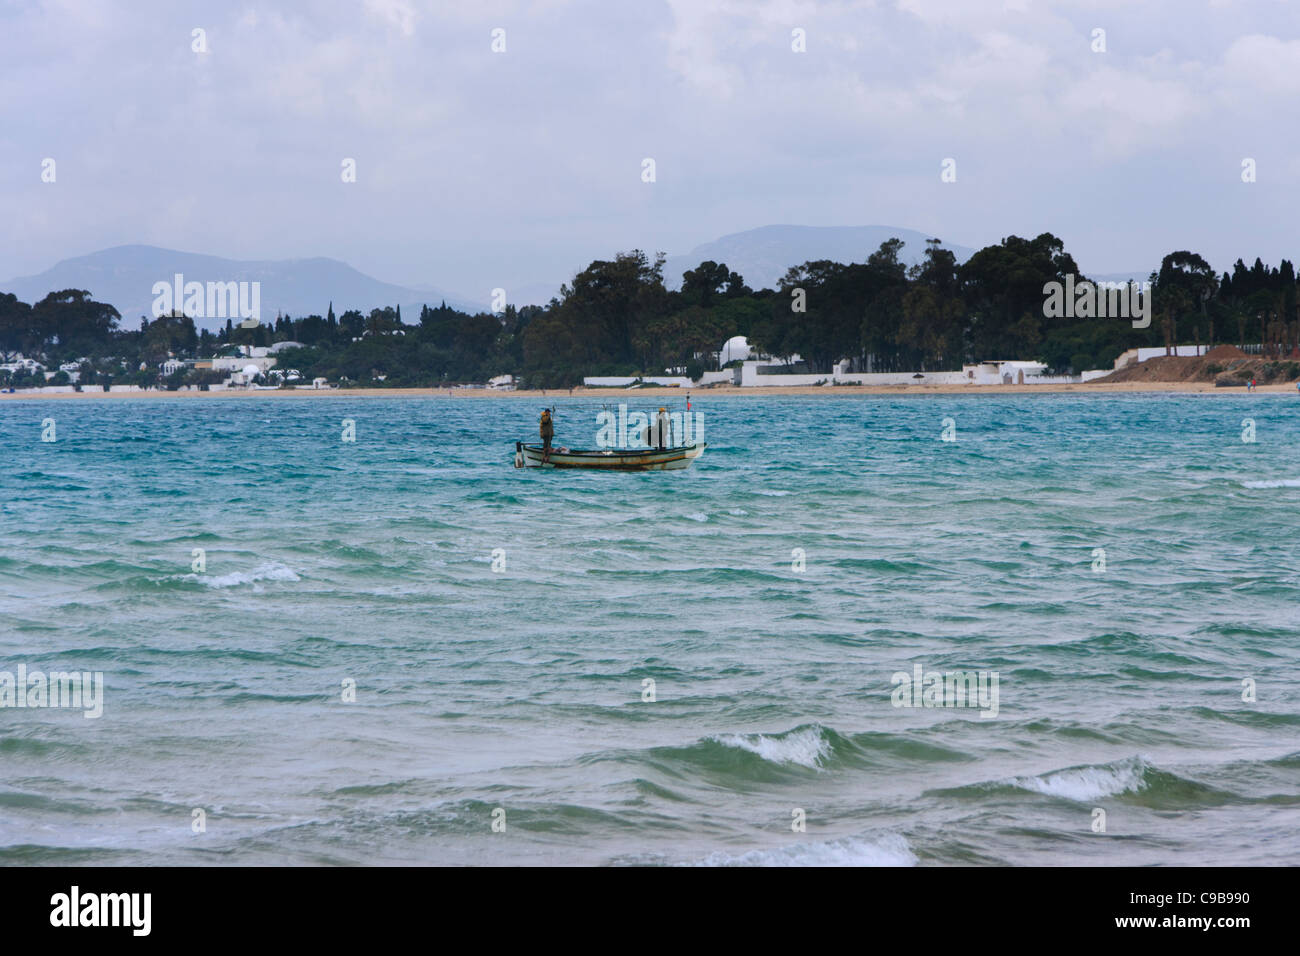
x=547 y=431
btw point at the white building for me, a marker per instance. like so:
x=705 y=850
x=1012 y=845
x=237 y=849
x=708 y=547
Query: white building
x=246 y=375
x=26 y=364
x=735 y=349
x=237 y=363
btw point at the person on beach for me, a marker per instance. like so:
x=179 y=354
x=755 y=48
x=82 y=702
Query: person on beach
x=547 y=430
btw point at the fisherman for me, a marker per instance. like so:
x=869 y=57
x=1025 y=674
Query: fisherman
x=663 y=429
x=547 y=430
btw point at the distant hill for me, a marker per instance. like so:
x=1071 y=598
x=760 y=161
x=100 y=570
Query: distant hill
x=763 y=255
x=124 y=276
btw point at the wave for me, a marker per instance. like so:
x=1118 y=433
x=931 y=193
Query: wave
x=886 y=850
x=1087 y=783
x=746 y=761
x=806 y=746
x=1133 y=780
x=1278 y=483
x=269 y=571
x=35 y=747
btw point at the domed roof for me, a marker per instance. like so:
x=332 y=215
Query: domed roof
x=735 y=348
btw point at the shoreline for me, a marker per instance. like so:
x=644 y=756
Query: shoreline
x=621 y=394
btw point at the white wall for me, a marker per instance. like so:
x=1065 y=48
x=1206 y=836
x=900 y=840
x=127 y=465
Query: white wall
x=728 y=376
x=1185 y=351
x=750 y=377
x=622 y=381
x=237 y=364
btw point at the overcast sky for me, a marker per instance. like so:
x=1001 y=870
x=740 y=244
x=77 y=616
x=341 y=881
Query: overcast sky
x=474 y=165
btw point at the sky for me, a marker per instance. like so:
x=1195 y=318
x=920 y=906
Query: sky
x=477 y=169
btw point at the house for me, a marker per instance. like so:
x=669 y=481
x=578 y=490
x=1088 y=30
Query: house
x=247 y=375
x=237 y=363
x=25 y=364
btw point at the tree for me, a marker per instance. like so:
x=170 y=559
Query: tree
x=701 y=285
x=1003 y=286
x=168 y=334
x=16 y=331
x=600 y=318
x=73 y=320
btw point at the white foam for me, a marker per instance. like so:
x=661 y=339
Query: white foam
x=1280 y=483
x=1088 y=783
x=698 y=516
x=806 y=747
x=887 y=850
x=263 y=572
x=771 y=494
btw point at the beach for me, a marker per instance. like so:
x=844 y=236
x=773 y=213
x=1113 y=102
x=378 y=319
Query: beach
x=624 y=394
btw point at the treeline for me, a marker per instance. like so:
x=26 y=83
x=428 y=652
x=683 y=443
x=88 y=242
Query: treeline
x=617 y=317
x=444 y=346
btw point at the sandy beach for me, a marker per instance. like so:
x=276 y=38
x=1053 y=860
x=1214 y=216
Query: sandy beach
x=623 y=394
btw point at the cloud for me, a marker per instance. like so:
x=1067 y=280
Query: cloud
x=1263 y=66
x=237 y=152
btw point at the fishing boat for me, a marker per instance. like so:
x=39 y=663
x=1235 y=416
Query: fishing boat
x=608 y=459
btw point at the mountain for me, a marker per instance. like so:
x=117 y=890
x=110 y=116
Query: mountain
x=763 y=255
x=124 y=277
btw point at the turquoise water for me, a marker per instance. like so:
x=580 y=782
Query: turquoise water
x=521 y=688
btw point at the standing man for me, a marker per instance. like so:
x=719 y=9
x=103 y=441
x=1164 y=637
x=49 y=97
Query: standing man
x=663 y=429
x=547 y=430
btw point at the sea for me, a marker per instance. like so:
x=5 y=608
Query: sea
x=911 y=630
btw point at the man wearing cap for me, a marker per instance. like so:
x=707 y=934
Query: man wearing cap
x=663 y=430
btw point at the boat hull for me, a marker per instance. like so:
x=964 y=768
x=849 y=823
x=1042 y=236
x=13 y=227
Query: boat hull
x=609 y=459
